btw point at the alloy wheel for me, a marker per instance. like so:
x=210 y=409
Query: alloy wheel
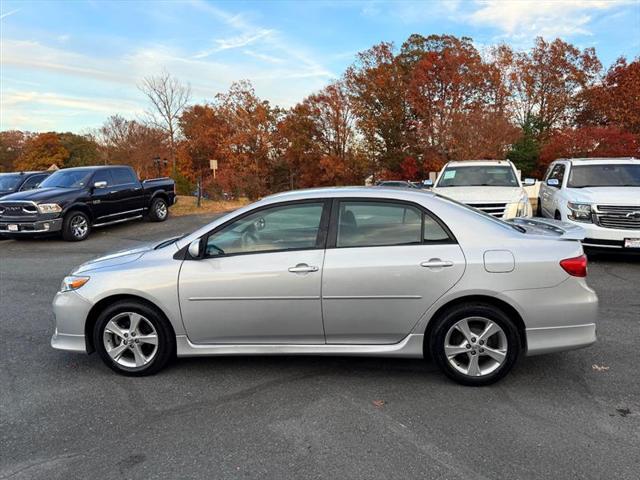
x=130 y=339
x=476 y=346
x=79 y=226
x=161 y=210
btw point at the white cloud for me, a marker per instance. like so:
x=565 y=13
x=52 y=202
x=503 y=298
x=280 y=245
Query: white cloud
x=10 y=12
x=548 y=18
x=238 y=41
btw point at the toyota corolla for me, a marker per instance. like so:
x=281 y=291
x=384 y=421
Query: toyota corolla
x=339 y=271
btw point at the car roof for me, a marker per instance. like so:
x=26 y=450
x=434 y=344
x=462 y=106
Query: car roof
x=34 y=172
x=356 y=191
x=601 y=160
x=482 y=163
x=95 y=167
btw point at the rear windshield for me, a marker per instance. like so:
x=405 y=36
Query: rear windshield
x=611 y=175
x=502 y=223
x=9 y=182
x=475 y=176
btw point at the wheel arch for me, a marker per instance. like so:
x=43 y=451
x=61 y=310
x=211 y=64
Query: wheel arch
x=100 y=306
x=507 y=308
x=159 y=194
x=79 y=207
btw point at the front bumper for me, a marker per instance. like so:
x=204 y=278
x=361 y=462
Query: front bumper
x=71 y=311
x=19 y=228
x=609 y=238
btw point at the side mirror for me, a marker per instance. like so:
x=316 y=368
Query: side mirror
x=529 y=181
x=427 y=183
x=100 y=185
x=194 y=248
x=553 y=182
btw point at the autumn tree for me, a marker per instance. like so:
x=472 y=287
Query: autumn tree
x=589 y=142
x=205 y=130
x=376 y=85
x=83 y=149
x=459 y=100
x=544 y=82
x=128 y=142
x=168 y=97
x=11 y=146
x=616 y=100
x=41 y=151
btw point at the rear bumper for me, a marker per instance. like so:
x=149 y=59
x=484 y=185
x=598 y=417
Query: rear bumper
x=30 y=228
x=558 y=339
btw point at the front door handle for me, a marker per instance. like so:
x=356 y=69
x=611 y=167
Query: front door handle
x=437 y=263
x=303 y=268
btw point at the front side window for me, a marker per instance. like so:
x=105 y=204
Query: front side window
x=103 y=176
x=32 y=182
x=285 y=227
x=371 y=224
x=475 y=176
x=557 y=173
x=605 y=175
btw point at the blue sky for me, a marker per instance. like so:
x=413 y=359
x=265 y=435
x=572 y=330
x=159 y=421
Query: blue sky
x=69 y=65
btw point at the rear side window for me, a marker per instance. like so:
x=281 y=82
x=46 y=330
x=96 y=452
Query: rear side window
x=123 y=176
x=370 y=224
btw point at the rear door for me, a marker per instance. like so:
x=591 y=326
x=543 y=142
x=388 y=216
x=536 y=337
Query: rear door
x=386 y=263
x=128 y=192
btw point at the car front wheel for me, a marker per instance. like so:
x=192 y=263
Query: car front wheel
x=133 y=339
x=475 y=344
x=75 y=226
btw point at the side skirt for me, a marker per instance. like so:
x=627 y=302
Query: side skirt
x=409 y=347
x=113 y=222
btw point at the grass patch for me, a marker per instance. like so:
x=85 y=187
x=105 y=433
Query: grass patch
x=187 y=206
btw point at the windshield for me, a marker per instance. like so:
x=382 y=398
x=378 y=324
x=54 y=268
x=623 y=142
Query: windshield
x=9 y=182
x=68 y=179
x=611 y=175
x=481 y=175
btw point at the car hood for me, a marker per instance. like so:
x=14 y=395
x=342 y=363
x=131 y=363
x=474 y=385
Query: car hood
x=482 y=194
x=116 y=258
x=606 y=195
x=40 y=195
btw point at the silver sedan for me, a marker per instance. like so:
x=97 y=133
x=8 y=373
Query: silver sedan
x=338 y=271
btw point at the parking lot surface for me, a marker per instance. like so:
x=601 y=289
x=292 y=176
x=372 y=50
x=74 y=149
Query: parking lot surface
x=65 y=416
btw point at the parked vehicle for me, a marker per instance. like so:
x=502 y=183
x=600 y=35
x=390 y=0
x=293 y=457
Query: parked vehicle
x=75 y=200
x=338 y=271
x=20 y=181
x=395 y=184
x=602 y=195
x=492 y=186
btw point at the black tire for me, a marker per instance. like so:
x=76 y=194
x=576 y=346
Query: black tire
x=70 y=232
x=159 y=210
x=166 y=339
x=539 y=209
x=557 y=215
x=449 y=318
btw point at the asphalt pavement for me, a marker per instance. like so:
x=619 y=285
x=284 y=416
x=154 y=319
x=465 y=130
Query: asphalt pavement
x=66 y=416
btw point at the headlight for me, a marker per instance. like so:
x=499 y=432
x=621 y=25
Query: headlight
x=73 y=282
x=523 y=207
x=580 y=212
x=49 y=208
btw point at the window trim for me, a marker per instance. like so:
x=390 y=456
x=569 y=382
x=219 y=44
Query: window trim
x=321 y=237
x=335 y=211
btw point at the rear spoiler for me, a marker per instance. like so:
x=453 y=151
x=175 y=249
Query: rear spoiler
x=549 y=227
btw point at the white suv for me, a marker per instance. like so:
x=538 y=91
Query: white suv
x=602 y=195
x=492 y=186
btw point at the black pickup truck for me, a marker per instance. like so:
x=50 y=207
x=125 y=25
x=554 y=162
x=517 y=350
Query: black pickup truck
x=74 y=200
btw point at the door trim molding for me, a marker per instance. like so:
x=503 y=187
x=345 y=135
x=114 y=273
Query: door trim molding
x=207 y=299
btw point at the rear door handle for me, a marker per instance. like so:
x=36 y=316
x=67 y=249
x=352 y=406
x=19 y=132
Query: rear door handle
x=303 y=268
x=437 y=263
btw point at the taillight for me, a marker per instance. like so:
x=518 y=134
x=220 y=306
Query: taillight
x=576 y=266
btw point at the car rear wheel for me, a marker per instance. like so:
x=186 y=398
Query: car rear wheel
x=159 y=210
x=133 y=339
x=75 y=226
x=475 y=344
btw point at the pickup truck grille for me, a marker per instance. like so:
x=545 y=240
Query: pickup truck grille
x=625 y=217
x=494 y=209
x=18 y=211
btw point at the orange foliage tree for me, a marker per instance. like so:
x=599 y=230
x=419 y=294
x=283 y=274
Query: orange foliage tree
x=41 y=151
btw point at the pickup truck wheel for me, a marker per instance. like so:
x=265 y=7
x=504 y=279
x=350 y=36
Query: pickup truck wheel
x=75 y=226
x=159 y=210
x=539 y=208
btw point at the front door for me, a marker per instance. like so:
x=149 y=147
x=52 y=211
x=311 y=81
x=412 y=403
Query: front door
x=386 y=265
x=259 y=281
